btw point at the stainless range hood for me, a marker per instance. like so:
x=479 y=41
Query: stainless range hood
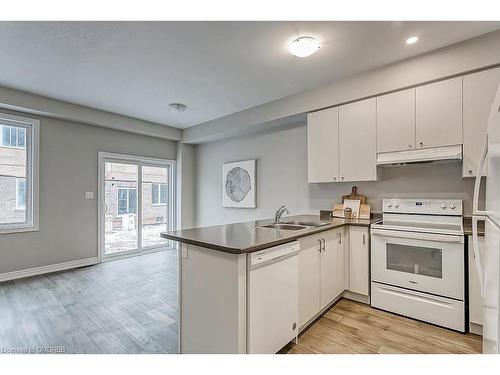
x=425 y=155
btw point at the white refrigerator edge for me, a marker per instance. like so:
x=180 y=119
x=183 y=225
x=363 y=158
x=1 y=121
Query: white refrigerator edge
x=488 y=263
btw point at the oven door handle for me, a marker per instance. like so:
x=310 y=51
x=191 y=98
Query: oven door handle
x=418 y=236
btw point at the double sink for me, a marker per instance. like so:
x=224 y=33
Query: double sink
x=295 y=225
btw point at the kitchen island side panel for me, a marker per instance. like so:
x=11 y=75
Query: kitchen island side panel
x=213 y=301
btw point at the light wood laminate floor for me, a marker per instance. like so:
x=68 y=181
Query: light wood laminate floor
x=352 y=327
x=131 y=306
x=121 y=306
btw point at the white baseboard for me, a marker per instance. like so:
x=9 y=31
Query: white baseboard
x=48 y=269
x=356 y=297
x=319 y=313
x=476 y=328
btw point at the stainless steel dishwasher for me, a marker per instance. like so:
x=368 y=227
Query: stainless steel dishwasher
x=273 y=298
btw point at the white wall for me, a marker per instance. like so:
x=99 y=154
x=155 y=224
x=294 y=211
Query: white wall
x=186 y=182
x=37 y=105
x=457 y=59
x=282 y=179
x=68 y=168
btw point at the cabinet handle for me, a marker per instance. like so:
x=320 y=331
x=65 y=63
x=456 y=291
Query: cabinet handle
x=335 y=179
x=340 y=238
x=342 y=178
x=470 y=171
x=319 y=245
x=364 y=239
x=409 y=145
x=324 y=244
x=421 y=144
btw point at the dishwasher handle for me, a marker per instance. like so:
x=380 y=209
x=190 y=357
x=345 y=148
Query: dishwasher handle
x=272 y=255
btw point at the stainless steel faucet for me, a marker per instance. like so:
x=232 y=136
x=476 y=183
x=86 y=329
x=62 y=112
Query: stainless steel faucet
x=279 y=213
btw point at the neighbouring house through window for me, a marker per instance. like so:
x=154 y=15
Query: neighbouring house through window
x=127 y=201
x=158 y=194
x=18 y=174
x=12 y=136
x=20 y=193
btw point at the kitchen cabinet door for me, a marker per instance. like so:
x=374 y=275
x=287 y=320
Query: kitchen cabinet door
x=479 y=92
x=309 y=278
x=396 y=121
x=439 y=114
x=359 y=255
x=322 y=146
x=330 y=287
x=341 y=261
x=358 y=141
x=475 y=299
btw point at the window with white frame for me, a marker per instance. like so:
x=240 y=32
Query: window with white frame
x=127 y=201
x=18 y=174
x=158 y=194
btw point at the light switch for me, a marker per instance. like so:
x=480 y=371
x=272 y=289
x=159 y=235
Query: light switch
x=89 y=195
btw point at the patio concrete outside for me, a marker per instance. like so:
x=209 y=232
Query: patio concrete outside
x=122 y=240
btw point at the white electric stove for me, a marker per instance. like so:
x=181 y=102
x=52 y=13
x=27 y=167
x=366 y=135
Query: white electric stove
x=418 y=261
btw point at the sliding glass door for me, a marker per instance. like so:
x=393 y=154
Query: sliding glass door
x=120 y=207
x=137 y=204
x=154 y=205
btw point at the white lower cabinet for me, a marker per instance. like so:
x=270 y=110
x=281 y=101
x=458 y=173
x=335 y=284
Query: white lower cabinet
x=309 y=277
x=359 y=260
x=331 y=262
x=475 y=301
x=321 y=272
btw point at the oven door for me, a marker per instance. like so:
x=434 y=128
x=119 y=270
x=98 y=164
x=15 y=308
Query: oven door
x=432 y=263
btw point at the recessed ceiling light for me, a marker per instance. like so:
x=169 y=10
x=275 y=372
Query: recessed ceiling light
x=303 y=46
x=412 y=40
x=177 y=107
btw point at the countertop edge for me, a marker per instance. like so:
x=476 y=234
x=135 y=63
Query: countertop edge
x=292 y=237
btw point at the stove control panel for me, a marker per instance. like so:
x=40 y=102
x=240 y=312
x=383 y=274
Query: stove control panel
x=452 y=207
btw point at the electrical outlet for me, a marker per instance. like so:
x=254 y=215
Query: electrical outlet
x=89 y=195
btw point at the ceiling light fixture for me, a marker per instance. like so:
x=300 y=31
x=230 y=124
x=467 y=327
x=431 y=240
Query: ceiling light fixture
x=177 y=107
x=412 y=40
x=303 y=46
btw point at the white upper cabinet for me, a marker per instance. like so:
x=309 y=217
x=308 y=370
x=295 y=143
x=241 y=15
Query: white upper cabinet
x=479 y=92
x=322 y=146
x=358 y=141
x=439 y=114
x=396 y=121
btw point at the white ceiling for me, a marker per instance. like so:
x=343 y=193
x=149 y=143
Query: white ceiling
x=215 y=68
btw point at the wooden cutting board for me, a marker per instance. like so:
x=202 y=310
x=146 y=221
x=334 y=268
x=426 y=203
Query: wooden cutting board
x=354 y=195
x=364 y=211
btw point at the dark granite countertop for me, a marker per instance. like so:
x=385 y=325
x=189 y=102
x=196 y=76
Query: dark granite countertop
x=468 y=227
x=247 y=237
